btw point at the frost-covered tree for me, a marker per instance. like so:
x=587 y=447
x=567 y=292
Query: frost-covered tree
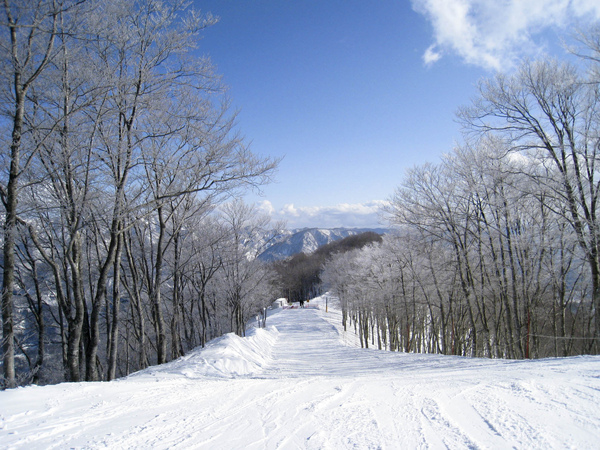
x=126 y=137
x=482 y=263
x=549 y=112
x=247 y=281
x=29 y=33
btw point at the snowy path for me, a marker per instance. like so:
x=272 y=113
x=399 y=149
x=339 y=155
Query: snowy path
x=301 y=387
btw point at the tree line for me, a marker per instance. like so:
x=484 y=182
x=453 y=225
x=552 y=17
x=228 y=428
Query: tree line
x=496 y=248
x=122 y=246
x=299 y=276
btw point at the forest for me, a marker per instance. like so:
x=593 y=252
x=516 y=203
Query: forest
x=125 y=243
x=299 y=276
x=495 y=251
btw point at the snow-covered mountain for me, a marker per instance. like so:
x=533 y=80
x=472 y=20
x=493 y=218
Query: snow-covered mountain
x=307 y=240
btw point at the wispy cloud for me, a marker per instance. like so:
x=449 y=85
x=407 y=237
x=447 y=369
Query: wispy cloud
x=356 y=215
x=431 y=55
x=494 y=33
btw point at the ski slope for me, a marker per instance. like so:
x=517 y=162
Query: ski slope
x=300 y=384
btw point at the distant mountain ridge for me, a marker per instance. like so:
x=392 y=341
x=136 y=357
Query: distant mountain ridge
x=307 y=240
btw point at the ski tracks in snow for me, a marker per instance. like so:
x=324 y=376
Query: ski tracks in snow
x=305 y=389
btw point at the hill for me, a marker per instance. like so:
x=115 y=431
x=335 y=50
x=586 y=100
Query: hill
x=308 y=240
x=297 y=384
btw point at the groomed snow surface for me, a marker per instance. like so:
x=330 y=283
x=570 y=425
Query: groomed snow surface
x=301 y=383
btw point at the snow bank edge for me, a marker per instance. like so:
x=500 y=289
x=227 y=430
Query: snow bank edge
x=228 y=356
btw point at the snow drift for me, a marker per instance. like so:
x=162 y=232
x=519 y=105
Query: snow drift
x=227 y=356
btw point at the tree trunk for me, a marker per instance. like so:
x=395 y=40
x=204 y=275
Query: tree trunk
x=114 y=332
x=137 y=313
x=10 y=234
x=176 y=347
x=92 y=373
x=159 y=322
x=20 y=86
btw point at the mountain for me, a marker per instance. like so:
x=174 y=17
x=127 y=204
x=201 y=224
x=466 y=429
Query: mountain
x=307 y=240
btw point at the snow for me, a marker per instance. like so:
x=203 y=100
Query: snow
x=302 y=383
x=227 y=356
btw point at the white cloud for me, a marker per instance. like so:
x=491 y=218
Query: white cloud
x=431 y=55
x=494 y=33
x=267 y=207
x=290 y=210
x=355 y=215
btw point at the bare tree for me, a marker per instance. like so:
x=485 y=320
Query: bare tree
x=29 y=32
x=547 y=111
x=118 y=127
x=245 y=277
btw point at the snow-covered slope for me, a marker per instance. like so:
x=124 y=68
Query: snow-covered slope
x=307 y=241
x=299 y=385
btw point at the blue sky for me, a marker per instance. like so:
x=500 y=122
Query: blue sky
x=351 y=93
